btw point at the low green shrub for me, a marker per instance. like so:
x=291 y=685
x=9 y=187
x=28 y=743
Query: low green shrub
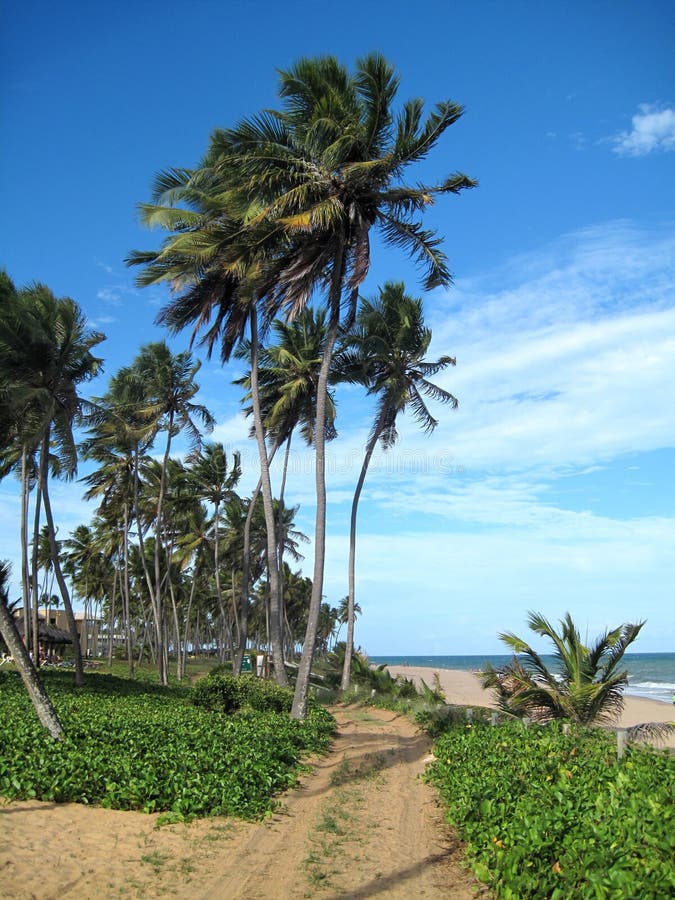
x=229 y=693
x=140 y=746
x=551 y=815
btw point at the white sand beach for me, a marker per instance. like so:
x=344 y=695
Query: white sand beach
x=464 y=688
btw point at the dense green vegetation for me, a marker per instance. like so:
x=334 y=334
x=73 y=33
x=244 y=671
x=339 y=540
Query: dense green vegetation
x=551 y=815
x=134 y=745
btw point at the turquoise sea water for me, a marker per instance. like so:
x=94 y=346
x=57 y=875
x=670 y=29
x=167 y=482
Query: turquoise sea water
x=650 y=675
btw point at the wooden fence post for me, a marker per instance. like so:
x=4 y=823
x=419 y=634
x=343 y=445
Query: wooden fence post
x=620 y=742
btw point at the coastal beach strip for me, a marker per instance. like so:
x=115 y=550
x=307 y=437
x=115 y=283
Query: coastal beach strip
x=463 y=688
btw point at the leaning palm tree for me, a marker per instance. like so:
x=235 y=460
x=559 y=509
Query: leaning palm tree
x=587 y=689
x=386 y=353
x=10 y=635
x=288 y=375
x=282 y=210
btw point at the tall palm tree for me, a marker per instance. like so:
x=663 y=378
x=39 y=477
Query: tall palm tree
x=288 y=375
x=17 y=449
x=170 y=386
x=10 y=635
x=46 y=348
x=282 y=208
x=210 y=480
x=587 y=689
x=386 y=353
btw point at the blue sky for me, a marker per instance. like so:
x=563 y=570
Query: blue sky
x=551 y=487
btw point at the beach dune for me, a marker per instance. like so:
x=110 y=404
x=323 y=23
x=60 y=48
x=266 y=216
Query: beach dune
x=463 y=688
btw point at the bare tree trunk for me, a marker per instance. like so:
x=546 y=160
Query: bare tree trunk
x=349 y=643
x=272 y=560
x=162 y=651
x=25 y=585
x=126 y=611
x=43 y=705
x=141 y=545
x=63 y=587
x=176 y=632
x=187 y=621
x=300 y=698
x=33 y=642
x=111 y=619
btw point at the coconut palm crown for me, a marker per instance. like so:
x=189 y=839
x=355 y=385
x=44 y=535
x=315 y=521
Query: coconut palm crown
x=587 y=689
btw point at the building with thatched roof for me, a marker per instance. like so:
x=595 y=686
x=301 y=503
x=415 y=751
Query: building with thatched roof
x=52 y=640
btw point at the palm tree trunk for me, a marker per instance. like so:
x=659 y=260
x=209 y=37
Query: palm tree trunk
x=25 y=585
x=349 y=643
x=272 y=560
x=162 y=660
x=282 y=541
x=126 y=611
x=33 y=643
x=63 y=587
x=246 y=572
x=300 y=698
x=144 y=563
x=187 y=622
x=43 y=705
x=111 y=618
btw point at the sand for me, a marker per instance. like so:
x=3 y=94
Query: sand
x=361 y=824
x=463 y=688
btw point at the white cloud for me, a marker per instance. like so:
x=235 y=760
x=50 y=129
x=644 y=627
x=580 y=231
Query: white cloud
x=653 y=130
x=112 y=295
x=106 y=268
x=103 y=320
x=451 y=592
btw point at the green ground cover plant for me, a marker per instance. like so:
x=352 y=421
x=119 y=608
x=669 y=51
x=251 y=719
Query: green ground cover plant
x=132 y=745
x=546 y=814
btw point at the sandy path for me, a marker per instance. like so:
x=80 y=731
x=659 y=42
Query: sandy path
x=360 y=825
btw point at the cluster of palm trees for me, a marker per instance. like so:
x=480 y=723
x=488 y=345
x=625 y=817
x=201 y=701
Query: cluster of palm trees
x=269 y=235
x=277 y=218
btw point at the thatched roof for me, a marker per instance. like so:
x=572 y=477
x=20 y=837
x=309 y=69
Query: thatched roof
x=48 y=634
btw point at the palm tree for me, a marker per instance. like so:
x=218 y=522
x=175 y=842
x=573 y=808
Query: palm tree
x=588 y=687
x=169 y=386
x=283 y=207
x=210 y=480
x=386 y=353
x=46 y=349
x=120 y=435
x=17 y=451
x=10 y=635
x=288 y=373
x=343 y=615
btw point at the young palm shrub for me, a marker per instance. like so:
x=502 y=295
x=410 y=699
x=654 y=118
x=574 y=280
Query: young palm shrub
x=588 y=689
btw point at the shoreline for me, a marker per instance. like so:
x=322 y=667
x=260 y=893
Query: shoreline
x=462 y=688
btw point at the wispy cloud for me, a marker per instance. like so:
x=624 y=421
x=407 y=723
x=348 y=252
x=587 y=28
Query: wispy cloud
x=111 y=295
x=653 y=130
x=103 y=320
x=101 y=265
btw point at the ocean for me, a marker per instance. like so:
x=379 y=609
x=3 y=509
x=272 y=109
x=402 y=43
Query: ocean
x=650 y=675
